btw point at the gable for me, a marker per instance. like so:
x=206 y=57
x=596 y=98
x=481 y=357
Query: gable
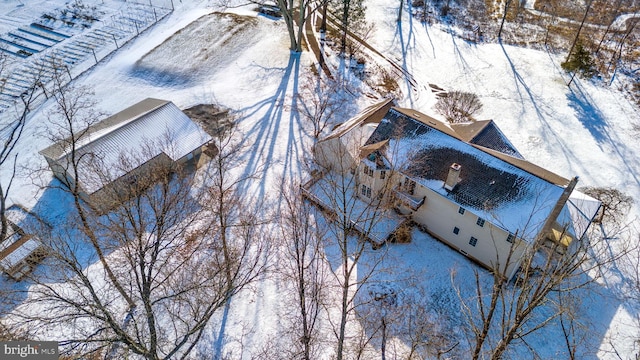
x=492 y=138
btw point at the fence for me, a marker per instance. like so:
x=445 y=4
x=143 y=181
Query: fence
x=38 y=52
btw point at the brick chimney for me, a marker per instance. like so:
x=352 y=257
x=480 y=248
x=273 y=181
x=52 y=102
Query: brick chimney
x=453 y=177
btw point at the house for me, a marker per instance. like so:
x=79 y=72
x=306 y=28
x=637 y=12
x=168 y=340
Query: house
x=19 y=252
x=468 y=186
x=128 y=148
x=340 y=150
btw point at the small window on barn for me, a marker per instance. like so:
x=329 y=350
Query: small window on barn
x=456 y=230
x=365 y=169
x=363 y=190
x=368 y=192
x=370 y=171
x=510 y=238
x=473 y=241
x=480 y=222
x=461 y=210
x=383 y=174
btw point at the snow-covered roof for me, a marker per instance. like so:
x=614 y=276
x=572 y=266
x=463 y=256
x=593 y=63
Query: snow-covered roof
x=369 y=115
x=16 y=248
x=139 y=133
x=578 y=213
x=510 y=192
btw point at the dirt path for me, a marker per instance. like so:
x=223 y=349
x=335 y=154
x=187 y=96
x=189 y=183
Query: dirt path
x=376 y=55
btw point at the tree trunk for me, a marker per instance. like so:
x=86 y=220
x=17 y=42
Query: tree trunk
x=343 y=314
x=384 y=338
x=504 y=17
x=3 y=219
x=575 y=39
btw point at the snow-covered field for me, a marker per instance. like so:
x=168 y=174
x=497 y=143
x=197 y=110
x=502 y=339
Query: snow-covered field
x=241 y=60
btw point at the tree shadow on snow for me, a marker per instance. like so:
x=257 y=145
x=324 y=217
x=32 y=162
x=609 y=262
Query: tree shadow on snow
x=276 y=129
x=588 y=113
x=161 y=77
x=274 y=134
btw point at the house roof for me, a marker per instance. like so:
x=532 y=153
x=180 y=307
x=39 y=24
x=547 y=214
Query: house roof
x=508 y=191
x=138 y=133
x=370 y=115
x=486 y=134
x=370 y=148
x=15 y=248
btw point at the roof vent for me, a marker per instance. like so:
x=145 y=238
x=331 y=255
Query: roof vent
x=453 y=178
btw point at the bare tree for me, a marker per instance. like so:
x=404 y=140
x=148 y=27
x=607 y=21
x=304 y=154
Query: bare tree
x=305 y=267
x=458 y=106
x=296 y=15
x=505 y=11
x=549 y=270
x=12 y=124
x=615 y=204
x=351 y=18
x=320 y=99
x=164 y=268
x=575 y=39
x=351 y=232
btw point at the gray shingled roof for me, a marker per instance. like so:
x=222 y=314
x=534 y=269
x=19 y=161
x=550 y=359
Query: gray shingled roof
x=498 y=188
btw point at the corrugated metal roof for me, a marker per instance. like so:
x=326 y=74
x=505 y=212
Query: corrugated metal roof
x=129 y=139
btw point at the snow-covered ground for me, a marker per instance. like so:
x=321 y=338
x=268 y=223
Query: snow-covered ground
x=242 y=61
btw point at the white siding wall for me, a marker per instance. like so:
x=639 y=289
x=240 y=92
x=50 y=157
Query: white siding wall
x=332 y=154
x=441 y=216
x=372 y=179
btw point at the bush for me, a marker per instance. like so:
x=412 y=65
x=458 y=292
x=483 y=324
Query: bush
x=615 y=204
x=458 y=106
x=402 y=234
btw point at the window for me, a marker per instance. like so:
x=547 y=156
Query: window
x=510 y=238
x=365 y=190
x=365 y=169
x=370 y=171
x=473 y=241
x=383 y=174
x=410 y=186
x=480 y=222
x=461 y=210
x=456 y=230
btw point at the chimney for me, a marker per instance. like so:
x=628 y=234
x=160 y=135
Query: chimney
x=453 y=177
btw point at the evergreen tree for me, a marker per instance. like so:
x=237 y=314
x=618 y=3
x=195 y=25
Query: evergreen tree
x=580 y=61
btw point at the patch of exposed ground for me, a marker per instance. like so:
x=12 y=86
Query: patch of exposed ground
x=213 y=118
x=206 y=42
